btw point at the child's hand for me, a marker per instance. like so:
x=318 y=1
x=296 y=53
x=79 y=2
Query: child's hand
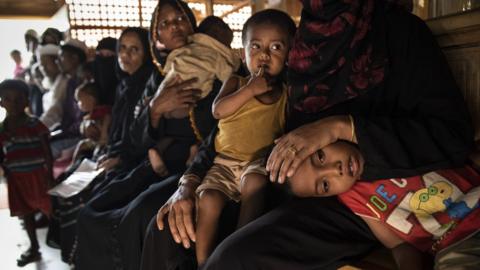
x=258 y=83
x=91 y=131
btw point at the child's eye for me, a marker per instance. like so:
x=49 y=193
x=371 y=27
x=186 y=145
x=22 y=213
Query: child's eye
x=321 y=156
x=276 y=46
x=163 y=24
x=254 y=46
x=325 y=186
x=180 y=18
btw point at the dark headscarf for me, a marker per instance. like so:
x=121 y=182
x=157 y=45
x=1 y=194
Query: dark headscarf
x=339 y=53
x=159 y=57
x=105 y=79
x=108 y=43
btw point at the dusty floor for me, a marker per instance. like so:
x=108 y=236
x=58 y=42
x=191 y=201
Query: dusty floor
x=13 y=241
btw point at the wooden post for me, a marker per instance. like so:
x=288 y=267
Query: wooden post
x=257 y=5
x=209 y=7
x=140 y=17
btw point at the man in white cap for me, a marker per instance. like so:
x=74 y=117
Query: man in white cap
x=55 y=84
x=71 y=57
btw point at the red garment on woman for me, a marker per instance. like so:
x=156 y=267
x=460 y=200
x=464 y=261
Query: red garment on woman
x=100 y=111
x=24 y=162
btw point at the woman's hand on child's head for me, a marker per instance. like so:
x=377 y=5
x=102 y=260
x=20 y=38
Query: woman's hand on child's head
x=258 y=83
x=294 y=147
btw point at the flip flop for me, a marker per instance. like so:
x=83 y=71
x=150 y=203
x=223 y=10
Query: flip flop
x=29 y=256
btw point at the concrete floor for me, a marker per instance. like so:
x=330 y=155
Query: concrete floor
x=13 y=241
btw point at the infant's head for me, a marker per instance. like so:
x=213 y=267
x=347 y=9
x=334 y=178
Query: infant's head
x=87 y=97
x=216 y=28
x=329 y=171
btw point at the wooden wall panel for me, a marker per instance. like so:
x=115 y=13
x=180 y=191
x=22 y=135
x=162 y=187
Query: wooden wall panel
x=459 y=37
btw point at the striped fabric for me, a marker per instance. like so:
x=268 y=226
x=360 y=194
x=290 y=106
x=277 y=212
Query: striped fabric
x=22 y=148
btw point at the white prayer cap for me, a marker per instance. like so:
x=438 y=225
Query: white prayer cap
x=48 y=49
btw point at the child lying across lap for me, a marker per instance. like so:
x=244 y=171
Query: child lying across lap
x=436 y=212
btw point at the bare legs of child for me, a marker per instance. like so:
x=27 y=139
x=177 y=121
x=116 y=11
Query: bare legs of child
x=209 y=207
x=211 y=204
x=253 y=198
x=32 y=254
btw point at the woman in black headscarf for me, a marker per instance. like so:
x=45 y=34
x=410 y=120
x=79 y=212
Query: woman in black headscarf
x=363 y=71
x=133 y=72
x=112 y=224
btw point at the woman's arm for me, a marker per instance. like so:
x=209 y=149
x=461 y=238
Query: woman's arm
x=204 y=158
x=406 y=256
x=175 y=95
x=106 y=121
x=229 y=100
x=180 y=208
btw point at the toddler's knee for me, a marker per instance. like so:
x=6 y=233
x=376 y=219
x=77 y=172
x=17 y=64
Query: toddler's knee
x=210 y=199
x=253 y=183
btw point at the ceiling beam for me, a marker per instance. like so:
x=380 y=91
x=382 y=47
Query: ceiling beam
x=38 y=8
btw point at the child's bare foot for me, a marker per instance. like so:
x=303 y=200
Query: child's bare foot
x=157 y=163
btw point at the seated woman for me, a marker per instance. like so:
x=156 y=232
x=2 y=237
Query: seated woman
x=133 y=72
x=383 y=68
x=112 y=224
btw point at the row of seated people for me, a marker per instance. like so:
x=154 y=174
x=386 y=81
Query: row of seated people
x=356 y=115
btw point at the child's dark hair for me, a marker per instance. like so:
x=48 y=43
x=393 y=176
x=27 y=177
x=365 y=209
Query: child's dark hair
x=13 y=52
x=14 y=85
x=215 y=27
x=88 y=88
x=273 y=17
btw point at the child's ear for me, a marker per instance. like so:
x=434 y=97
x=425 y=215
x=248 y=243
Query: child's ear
x=242 y=54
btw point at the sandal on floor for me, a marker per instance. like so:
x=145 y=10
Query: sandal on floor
x=28 y=257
